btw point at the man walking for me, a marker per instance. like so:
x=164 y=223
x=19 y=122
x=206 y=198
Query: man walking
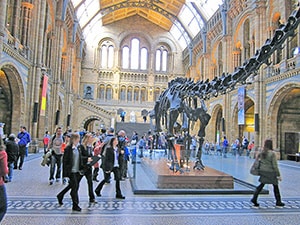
x=55 y=145
x=24 y=139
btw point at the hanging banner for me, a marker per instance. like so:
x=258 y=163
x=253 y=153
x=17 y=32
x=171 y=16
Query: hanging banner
x=44 y=95
x=241 y=106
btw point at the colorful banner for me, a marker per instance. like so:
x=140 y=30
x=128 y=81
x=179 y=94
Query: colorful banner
x=241 y=106
x=44 y=95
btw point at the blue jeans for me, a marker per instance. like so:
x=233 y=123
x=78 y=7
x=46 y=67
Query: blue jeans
x=10 y=170
x=55 y=160
x=3 y=202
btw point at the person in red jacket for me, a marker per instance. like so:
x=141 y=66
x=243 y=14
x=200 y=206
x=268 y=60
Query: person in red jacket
x=3 y=173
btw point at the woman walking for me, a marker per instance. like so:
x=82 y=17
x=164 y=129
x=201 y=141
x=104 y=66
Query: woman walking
x=111 y=163
x=87 y=152
x=269 y=173
x=72 y=165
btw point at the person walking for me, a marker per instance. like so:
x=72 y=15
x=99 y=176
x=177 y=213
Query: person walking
x=72 y=162
x=46 y=140
x=269 y=173
x=97 y=151
x=87 y=153
x=24 y=140
x=225 y=147
x=3 y=173
x=12 y=150
x=110 y=163
x=55 y=145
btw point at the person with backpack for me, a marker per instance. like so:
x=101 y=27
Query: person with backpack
x=55 y=146
x=46 y=140
x=12 y=150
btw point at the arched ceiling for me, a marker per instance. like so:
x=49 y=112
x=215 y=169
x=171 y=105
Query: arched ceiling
x=159 y=12
x=164 y=13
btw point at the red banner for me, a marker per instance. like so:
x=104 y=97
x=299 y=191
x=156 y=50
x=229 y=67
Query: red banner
x=44 y=95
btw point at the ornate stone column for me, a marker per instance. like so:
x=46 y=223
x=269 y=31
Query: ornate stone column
x=25 y=19
x=3 y=4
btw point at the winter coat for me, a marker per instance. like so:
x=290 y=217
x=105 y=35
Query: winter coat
x=12 y=150
x=268 y=168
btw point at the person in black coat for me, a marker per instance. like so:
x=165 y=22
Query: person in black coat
x=12 y=150
x=87 y=153
x=111 y=163
x=72 y=167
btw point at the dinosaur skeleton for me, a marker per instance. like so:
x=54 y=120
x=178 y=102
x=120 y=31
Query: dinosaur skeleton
x=182 y=94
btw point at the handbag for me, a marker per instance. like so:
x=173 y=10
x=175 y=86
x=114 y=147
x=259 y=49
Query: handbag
x=254 y=170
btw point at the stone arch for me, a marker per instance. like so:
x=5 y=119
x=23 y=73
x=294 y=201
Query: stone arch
x=87 y=120
x=15 y=86
x=215 y=122
x=273 y=110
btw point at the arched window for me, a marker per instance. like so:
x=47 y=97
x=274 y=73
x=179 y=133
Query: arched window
x=135 y=48
x=129 y=94
x=144 y=58
x=125 y=57
x=107 y=55
x=220 y=61
x=164 y=60
x=247 y=39
x=110 y=62
x=108 y=92
x=143 y=94
x=136 y=94
x=123 y=93
x=101 y=92
x=103 y=56
x=161 y=59
x=135 y=55
x=158 y=60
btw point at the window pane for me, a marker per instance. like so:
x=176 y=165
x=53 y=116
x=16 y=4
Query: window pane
x=104 y=56
x=135 y=48
x=125 y=58
x=129 y=94
x=110 y=57
x=143 y=94
x=157 y=60
x=136 y=94
x=108 y=93
x=101 y=92
x=194 y=27
x=164 y=60
x=144 y=58
x=122 y=94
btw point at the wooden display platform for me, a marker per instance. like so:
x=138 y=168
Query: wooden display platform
x=160 y=173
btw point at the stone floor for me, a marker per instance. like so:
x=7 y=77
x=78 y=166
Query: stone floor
x=31 y=200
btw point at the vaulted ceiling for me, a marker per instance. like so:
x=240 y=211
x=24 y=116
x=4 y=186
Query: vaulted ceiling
x=185 y=17
x=160 y=12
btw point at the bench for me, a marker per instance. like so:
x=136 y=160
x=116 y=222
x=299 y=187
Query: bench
x=294 y=157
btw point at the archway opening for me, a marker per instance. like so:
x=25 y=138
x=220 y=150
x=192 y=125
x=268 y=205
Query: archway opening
x=93 y=125
x=289 y=122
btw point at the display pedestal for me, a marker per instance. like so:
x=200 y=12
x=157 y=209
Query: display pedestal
x=165 y=178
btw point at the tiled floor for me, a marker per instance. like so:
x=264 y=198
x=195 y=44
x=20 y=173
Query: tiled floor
x=31 y=200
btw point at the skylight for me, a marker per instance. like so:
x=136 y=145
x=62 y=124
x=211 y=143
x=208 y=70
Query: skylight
x=191 y=19
x=86 y=10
